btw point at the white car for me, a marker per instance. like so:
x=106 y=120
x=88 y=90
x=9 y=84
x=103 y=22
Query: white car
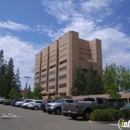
x=2 y=99
x=35 y=104
x=25 y=105
x=19 y=103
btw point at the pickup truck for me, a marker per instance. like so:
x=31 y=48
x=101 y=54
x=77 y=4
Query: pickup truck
x=85 y=107
x=57 y=106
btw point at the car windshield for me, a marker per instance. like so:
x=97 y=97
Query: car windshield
x=59 y=101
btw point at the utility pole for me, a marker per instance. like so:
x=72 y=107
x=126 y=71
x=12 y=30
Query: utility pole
x=27 y=77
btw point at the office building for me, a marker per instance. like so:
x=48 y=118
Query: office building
x=56 y=64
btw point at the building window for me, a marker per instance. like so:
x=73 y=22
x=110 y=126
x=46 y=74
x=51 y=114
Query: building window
x=51 y=80
x=43 y=82
x=51 y=87
x=62 y=85
x=52 y=72
x=52 y=66
x=62 y=62
x=62 y=77
x=63 y=68
x=44 y=75
x=36 y=78
x=37 y=73
x=43 y=89
x=44 y=70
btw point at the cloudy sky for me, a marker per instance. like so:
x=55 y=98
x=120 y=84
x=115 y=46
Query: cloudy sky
x=27 y=26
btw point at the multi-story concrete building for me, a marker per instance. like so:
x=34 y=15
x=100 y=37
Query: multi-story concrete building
x=55 y=65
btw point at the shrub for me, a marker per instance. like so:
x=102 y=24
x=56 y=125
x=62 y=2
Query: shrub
x=7 y=102
x=126 y=113
x=106 y=115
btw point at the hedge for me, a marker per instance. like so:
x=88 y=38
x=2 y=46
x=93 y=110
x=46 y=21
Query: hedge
x=109 y=114
x=7 y=102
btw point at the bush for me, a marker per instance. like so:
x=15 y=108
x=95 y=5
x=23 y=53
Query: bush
x=106 y=115
x=7 y=102
x=126 y=113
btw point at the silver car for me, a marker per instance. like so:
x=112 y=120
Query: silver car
x=57 y=106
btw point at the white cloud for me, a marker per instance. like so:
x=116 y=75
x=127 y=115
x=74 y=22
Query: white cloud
x=14 y=26
x=115 y=43
x=23 y=54
x=62 y=10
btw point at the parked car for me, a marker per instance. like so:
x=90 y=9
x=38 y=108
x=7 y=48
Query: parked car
x=44 y=104
x=35 y=104
x=2 y=100
x=25 y=105
x=19 y=103
x=57 y=106
x=85 y=107
x=14 y=101
x=127 y=106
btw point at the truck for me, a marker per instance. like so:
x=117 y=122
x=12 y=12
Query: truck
x=85 y=107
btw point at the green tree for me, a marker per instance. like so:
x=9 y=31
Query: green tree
x=30 y=94
x=94 y=82
x=9 y=77
x=115 y=78
x=17 y=82
x=37 y=92
x=79 y=83
x=14 y=94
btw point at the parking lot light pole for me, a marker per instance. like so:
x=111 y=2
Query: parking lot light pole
x=27 y=77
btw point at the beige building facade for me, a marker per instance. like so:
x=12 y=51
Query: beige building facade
x=55 y=65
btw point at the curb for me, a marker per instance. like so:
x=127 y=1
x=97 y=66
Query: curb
x=105 y=122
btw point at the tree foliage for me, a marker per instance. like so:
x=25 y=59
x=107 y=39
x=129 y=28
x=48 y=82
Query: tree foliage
x=115 y=78
x=37 y=92
x=30 y=94
x=14 y=94
x=8 y=79
x=79 y=83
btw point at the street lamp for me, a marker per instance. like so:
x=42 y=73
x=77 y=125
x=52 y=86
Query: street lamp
x=27 y=77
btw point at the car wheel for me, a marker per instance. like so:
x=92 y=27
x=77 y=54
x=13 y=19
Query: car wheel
x=36 y=107
x=86 y=115
x=74 y=117
x=58 y=111
x=65 y=114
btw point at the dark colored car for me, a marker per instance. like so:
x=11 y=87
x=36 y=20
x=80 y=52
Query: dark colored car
x=14 y=101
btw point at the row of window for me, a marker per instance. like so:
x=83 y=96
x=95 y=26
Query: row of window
x=43 y=82
x=52 y=72
x=53 y=87
x=62 y=77
x=44 y=75
x=36 y=78
x=52 y=79
x=36 y=84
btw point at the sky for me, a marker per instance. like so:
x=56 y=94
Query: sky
x=28 y=26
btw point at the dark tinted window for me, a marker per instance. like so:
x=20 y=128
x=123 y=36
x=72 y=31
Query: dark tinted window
x=62 y=62
x=43 y=88
x=63 y=68
x=51 y=87
x=44 y=75
x=69 y=101
x=52 y=72
x=51 y=80
x=62 y=77
x=89 y=99
x=99 y=100
x=43 y=82
x=62 y=85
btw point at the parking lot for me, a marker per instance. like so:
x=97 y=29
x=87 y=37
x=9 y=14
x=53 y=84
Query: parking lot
x=37 y=120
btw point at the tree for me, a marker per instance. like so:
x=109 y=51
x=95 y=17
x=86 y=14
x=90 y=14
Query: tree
x=37 y=92
x=17 y=82
x=14 y=94
x=30 y=94
x=115 y=78
x=79 y=83
x=9 y=77
x=94 y=82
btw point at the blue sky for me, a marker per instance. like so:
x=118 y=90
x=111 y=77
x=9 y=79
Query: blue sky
x=27 y=26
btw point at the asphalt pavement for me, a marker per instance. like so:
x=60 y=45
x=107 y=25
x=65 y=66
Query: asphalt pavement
x=24 y=119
